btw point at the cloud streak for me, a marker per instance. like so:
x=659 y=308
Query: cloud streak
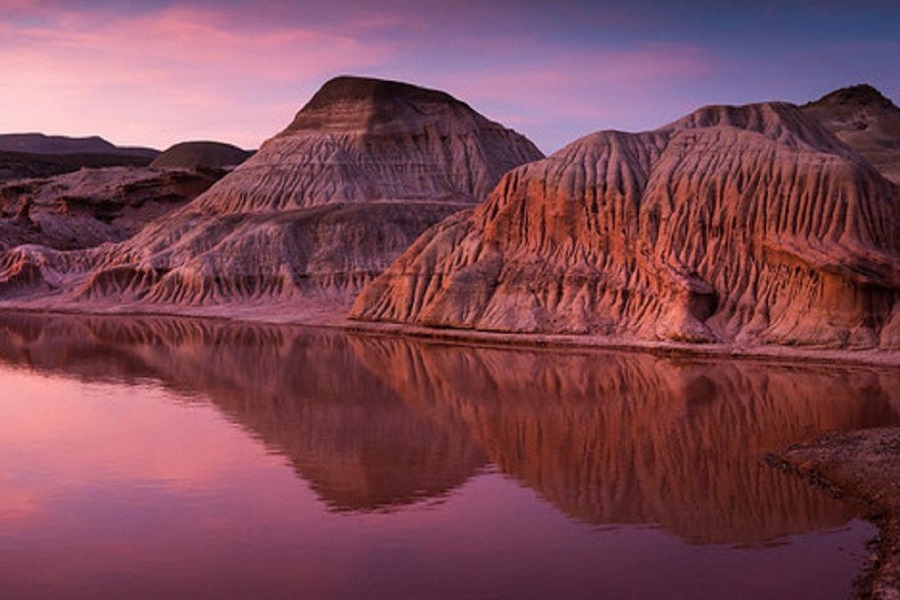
x=181 y=72
x=159 y=72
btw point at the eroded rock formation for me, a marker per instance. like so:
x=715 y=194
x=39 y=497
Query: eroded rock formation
x=751 y=224
x=91 y=206
x=319 y=210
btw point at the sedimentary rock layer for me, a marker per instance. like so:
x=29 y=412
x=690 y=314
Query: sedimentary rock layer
x=750 y=224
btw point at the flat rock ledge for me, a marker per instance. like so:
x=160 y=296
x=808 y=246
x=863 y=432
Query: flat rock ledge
x=862 y=465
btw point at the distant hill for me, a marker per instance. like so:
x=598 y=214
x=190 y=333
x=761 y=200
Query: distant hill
x=23 y=165
x=191 y=155
x=28 y=155
x=38 y=143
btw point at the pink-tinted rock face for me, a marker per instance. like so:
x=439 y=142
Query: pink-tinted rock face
x=318 y=211
x=747 y=224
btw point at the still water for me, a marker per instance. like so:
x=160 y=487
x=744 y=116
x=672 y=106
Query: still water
x=175 y=458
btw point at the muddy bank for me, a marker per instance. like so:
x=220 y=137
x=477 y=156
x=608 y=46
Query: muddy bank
x=863 y=465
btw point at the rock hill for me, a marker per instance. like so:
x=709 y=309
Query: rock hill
x=319 y=210
x=30 y=155
x=750 y=224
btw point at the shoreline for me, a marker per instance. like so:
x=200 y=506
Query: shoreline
x=863 y=466
x=334 y=317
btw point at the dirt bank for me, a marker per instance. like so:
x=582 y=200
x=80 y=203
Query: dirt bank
x=863 y=465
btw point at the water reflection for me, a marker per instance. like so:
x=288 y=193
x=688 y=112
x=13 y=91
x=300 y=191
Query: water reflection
x=631 y=438
x=376 y=423
x=304 y=394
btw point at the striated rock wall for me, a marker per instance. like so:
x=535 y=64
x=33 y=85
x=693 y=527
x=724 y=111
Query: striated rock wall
x=734 y=224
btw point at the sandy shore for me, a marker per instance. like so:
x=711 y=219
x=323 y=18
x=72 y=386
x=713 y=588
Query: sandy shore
x=865 y=466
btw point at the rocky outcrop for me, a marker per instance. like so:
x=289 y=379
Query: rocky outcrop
x=92 y=206
x=30 y=155
x=748 y=225
x=319 y=210
x=193 y=155
x=866 y=121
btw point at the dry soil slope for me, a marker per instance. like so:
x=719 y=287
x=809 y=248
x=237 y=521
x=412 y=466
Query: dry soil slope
x=320 y=209
x=749 y=224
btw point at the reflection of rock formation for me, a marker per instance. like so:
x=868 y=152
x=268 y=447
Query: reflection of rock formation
x=304 y=394
x=629 y=438
x=374 y=423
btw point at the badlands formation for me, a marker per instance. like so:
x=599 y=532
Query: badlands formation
x=761 y=225
x=301 y=226
x=88 y=207
x=870 y=123
x=750 y=225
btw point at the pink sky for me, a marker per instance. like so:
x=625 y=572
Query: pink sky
x=158 y=72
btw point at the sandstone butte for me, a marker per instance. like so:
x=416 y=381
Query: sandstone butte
x=743 y=225
x=319 y=210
